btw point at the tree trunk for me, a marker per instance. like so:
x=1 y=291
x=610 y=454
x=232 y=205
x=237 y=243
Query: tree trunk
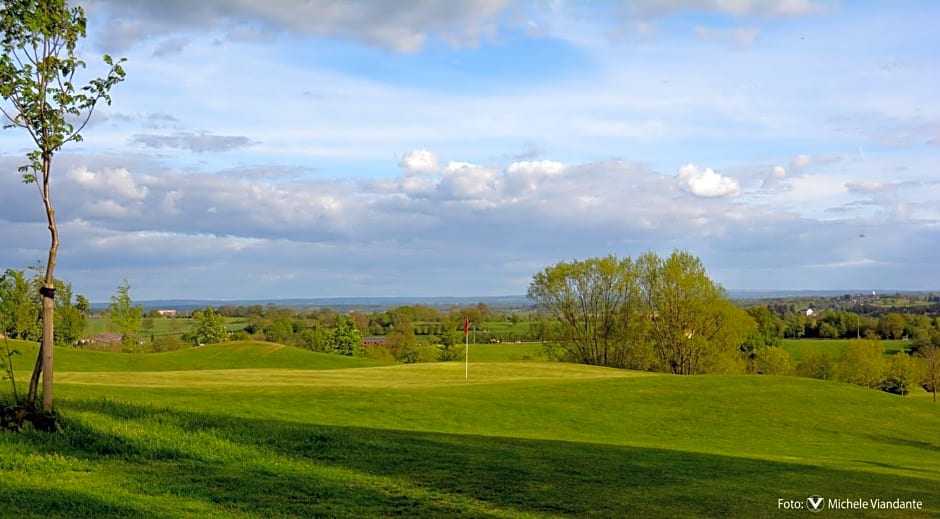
x=45 y=361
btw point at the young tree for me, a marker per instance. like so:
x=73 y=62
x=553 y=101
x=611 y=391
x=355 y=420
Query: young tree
x=346 y=338
x=20 y=306
x=208 y=327
x=125 y=316
x=862 y=363
x=37 y=82
x=70 y=319
x=902 y=374
x=931 y=368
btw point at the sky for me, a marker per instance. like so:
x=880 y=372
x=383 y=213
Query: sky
x=327 y=148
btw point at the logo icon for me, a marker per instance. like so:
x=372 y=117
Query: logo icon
x=814 y=503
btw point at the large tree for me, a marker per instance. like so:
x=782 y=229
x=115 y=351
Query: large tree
x=38 y=84
x=596 y=305
x=694 y=327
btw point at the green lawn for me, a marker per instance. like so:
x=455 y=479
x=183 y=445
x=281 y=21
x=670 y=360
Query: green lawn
x=518 y=439
x=229 y=355
x=506 y=352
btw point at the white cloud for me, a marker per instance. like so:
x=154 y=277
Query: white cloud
x=420 y=161
x=463 y=180
x=109 y=181
x=525 y=176
x=707 y=183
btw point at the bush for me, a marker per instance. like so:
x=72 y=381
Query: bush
x=167 y=343
x=773 y=361
x=817 y=364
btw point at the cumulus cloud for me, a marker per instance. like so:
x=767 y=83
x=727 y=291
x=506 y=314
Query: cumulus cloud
x=526 y=176
x=196 y=142
x=527 y=213
x=707 y=183
x=463 y=180
x=116 y=181
x=420 y=161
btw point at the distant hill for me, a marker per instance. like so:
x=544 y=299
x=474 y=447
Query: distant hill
x=777 y=294
x=341 y=304
x=498 y=303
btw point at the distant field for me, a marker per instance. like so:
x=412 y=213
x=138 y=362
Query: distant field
x=161 y=326
x=798 y=347
x=506 y=352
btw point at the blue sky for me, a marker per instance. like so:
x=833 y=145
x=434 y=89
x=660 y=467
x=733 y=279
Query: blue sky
x=342 y=148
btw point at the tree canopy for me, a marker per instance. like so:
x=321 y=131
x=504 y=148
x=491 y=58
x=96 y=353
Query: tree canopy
x=659 y=313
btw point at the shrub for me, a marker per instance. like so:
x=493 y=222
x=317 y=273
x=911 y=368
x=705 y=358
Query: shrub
x=773 y=361
x=817 y=364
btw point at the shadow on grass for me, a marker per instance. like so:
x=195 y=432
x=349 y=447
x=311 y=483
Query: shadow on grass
x=281 y=469
x=25 y=502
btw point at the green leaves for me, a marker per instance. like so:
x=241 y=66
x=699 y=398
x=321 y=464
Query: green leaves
x=37 y=71
x=617 y=312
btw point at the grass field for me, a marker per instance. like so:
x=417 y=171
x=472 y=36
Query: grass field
x=506 y=352
x=161 y=326
x=334 y=437
x=797 y=347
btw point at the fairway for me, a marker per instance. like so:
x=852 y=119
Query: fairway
x=416 y=375
x=516 y=439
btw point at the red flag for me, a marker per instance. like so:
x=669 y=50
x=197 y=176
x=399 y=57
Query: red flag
x=466 y=325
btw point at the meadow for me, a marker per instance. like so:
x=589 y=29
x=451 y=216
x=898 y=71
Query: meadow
x=261 y=430
x=798 y=347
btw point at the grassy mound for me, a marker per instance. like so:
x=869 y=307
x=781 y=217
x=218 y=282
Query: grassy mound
x=229 y=355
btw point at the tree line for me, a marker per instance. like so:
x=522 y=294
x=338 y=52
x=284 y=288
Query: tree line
x=667 y=315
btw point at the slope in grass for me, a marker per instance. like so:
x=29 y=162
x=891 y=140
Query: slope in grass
x=589 y=445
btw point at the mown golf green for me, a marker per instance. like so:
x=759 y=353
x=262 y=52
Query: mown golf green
x=311 y=437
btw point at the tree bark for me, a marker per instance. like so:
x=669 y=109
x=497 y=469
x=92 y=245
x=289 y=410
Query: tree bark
x=44 y=363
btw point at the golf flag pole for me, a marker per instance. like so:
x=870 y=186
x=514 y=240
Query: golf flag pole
x=466 y=351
